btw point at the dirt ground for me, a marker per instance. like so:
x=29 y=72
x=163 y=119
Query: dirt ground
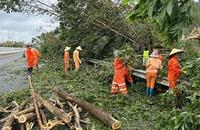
x=13 y=76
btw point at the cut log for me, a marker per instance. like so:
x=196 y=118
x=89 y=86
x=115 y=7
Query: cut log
x=60 y=114
x=28 y=110
x=8 y=124
x=99 y=113
x=52 y=124
x=23 y=118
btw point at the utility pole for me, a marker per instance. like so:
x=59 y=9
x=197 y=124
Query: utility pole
x=8 y=35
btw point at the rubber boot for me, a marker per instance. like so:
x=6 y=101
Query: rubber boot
x=147 y=91
x=132 y=84
x=151 y=92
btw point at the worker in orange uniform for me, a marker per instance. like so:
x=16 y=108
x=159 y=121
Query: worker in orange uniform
x=76 y=58
x=152 y=66
x=66 y=58
x=36 y=56
x=30 y=60
x=174 y=69
x=119 y=76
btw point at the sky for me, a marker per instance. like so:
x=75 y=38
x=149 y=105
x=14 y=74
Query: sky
x=21 y=27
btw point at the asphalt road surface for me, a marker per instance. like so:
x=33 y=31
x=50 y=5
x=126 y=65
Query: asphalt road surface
x=8 y=58
x=13 y=72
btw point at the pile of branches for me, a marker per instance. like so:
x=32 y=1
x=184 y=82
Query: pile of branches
x=25 y=115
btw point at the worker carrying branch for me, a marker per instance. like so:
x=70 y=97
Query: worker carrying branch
x=120 y=74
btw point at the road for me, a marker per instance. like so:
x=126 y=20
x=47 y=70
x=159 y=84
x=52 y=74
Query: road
x=8 y=58
x=13 y=72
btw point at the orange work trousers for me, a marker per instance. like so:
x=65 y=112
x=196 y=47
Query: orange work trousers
x=66 y=66
x=151 y=79
x=119 y=82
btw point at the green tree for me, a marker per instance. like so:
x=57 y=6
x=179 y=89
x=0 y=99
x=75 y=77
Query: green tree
x=171 y=17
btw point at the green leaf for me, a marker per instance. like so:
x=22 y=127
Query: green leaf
x=169 y=7
x=125 y=2
x=150 y=11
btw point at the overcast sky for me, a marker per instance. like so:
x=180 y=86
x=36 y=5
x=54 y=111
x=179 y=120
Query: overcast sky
x=21 y=27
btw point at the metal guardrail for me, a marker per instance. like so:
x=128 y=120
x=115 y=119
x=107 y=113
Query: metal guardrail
x=10 y=52
x=139 y=73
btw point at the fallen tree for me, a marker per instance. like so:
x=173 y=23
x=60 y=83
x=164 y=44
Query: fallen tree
x=99 y=113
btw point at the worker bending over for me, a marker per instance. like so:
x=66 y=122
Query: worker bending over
x=120 y=75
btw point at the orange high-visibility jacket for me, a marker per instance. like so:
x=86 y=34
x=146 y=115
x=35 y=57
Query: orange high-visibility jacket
x=119 y=77
x=153 y=65
x=77 y=60
x=173 y=71
x=29 y=56
x=76 y=56
x=66 y=58
x=36 y=56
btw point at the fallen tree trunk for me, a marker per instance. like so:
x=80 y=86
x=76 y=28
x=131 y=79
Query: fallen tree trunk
x=60 y=114
x=99 y=113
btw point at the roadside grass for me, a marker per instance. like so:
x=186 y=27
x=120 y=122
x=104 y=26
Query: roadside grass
x=135 y=110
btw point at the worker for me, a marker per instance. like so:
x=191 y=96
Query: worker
x=119 y=78
x=120 y=75
x=36 y=56
x=174 y=69
x=152 y=66
x=30 y=60
x=159 y=55
x=66 y=58
x=76 y=58
x=145 y=56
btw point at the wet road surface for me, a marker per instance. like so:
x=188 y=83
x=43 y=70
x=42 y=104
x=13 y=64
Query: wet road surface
x=8 y=58
x=13 y=72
